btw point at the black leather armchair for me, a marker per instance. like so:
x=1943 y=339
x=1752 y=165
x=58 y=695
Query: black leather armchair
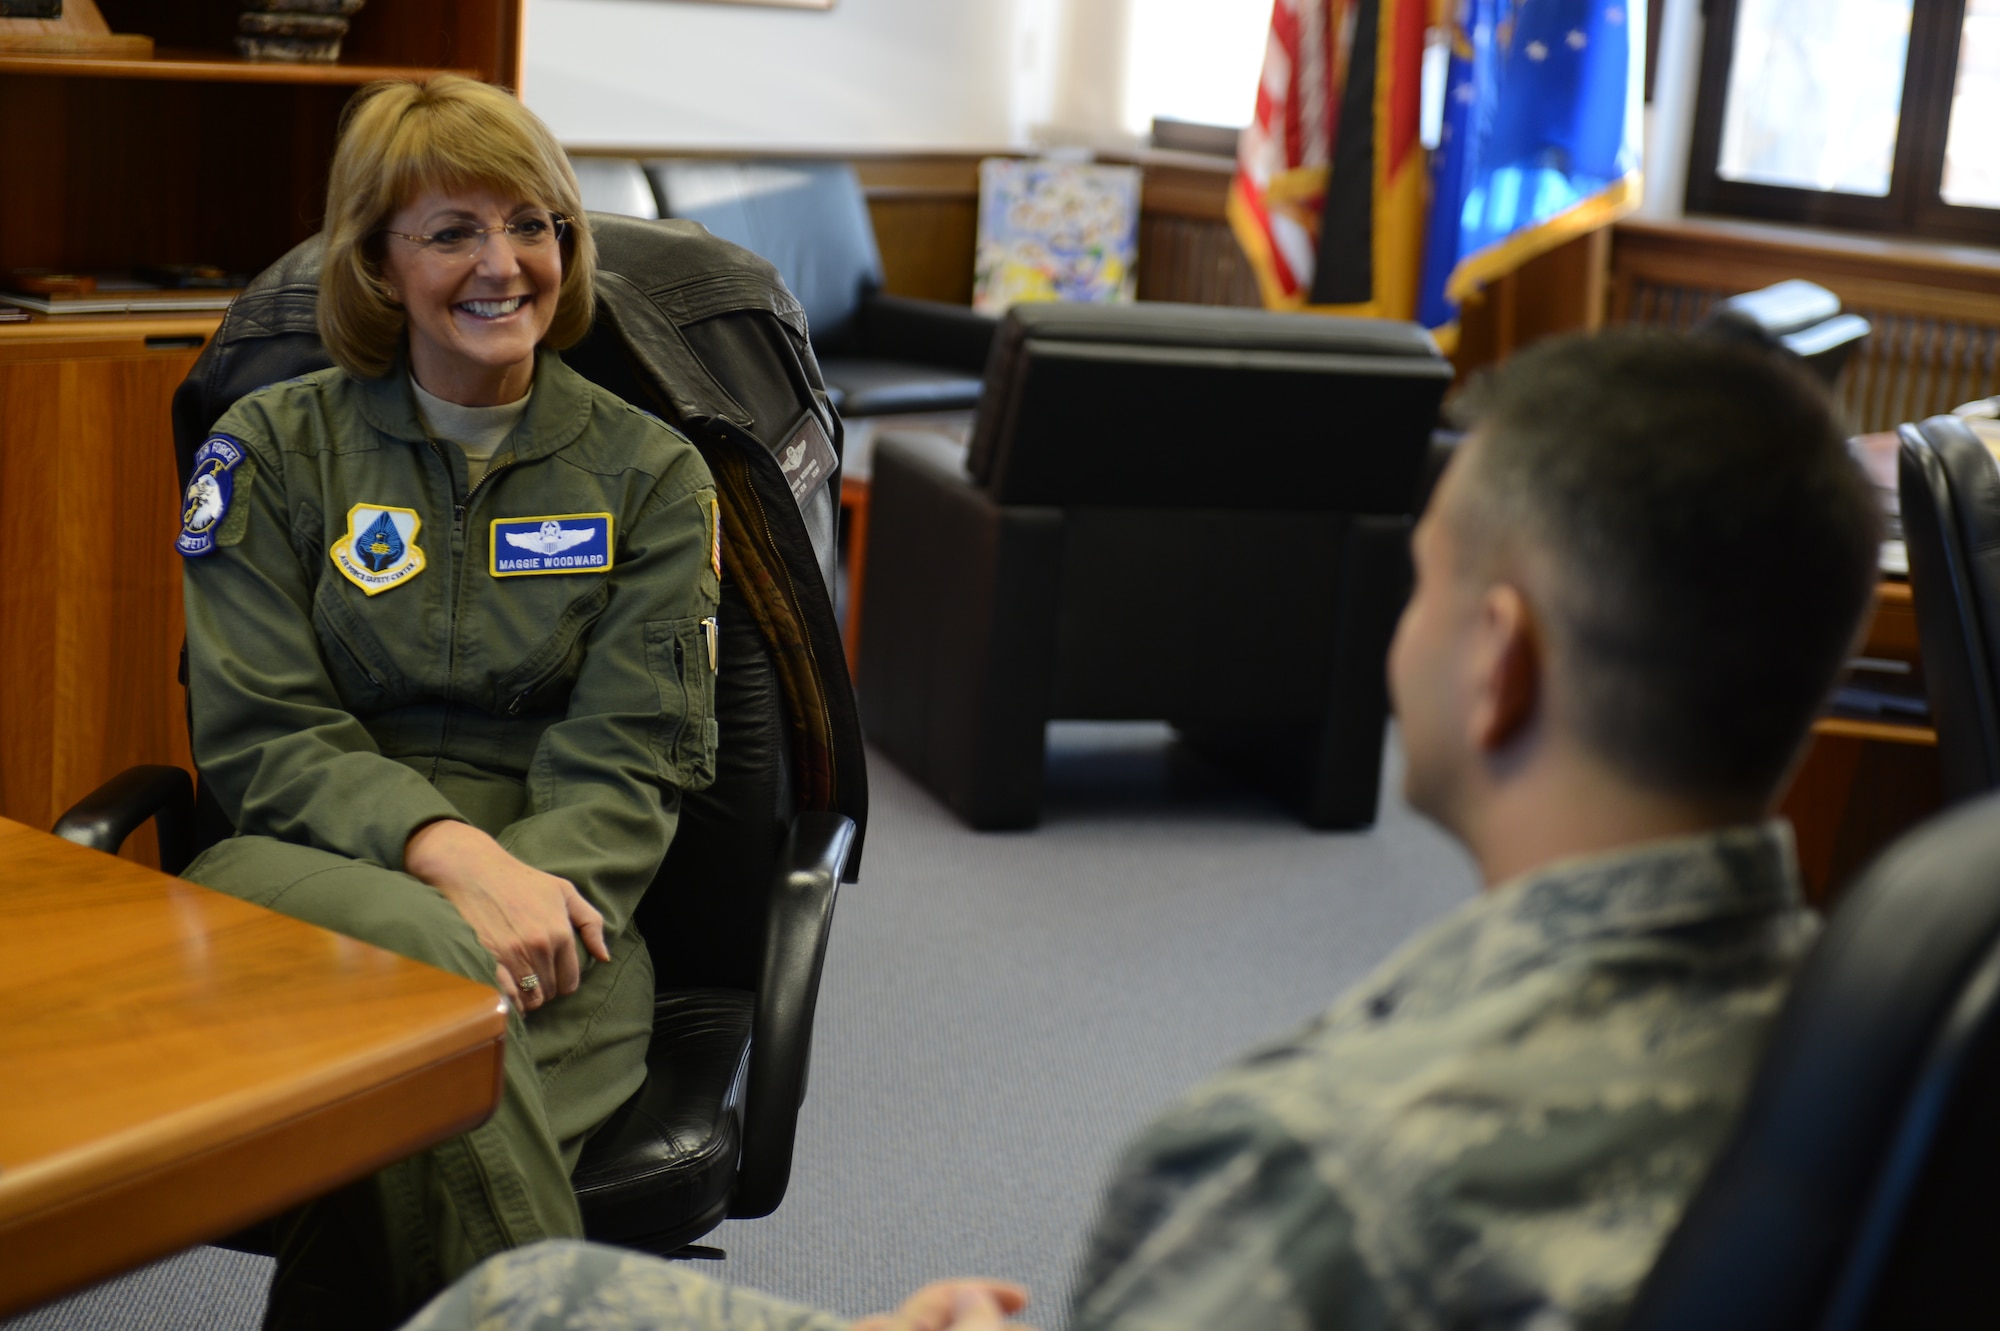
x=881 y=354
x=738 y=919
x=1167 y=512
x=1949 y=491
x=1857 y=1191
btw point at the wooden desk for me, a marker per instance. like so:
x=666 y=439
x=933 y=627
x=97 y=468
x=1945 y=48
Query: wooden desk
x=1864 y=783
x=176 y=1064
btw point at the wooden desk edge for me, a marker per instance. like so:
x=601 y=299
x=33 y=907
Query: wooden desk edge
x=56 y=1250
x=43 y=1185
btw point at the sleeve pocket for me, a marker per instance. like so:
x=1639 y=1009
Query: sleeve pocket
x=684 y=734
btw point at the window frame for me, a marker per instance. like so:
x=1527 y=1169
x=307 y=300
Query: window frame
x=1912 y=207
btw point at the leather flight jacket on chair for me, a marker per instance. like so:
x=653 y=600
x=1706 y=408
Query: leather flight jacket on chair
x=704 y=335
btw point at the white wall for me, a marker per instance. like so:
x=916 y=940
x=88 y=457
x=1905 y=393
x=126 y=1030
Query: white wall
x=865 y=74
x=1670 y=119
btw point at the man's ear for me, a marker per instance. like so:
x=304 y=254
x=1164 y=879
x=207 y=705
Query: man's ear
x=1510 y=658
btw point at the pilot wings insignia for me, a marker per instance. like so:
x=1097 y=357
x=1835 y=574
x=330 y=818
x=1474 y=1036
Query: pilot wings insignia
x=551 y=543
x=549 y=538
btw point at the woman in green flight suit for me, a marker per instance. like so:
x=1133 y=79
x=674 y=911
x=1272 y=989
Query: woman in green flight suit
x=448 y=609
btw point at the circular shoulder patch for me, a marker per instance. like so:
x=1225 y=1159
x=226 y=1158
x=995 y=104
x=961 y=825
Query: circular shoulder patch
x=211 y=485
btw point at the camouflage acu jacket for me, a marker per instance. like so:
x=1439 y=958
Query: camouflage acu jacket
x=1495 y=1130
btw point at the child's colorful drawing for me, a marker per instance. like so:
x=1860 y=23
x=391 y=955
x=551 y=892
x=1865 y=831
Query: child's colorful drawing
x=1055 y=231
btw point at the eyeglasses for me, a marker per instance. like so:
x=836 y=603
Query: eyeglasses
x=529 y=231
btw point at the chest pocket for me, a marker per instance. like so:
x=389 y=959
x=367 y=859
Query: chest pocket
x=356 y=661
x=684 y=735
x=543 y=681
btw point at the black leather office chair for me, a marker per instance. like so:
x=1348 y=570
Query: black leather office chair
x=1167 y=512
x=881 y=354
x=1858 y=1189
x=738 y=919
x=1949 y=488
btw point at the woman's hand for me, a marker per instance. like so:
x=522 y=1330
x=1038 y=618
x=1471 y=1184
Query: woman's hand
x=966 y=1304
x=527 y=919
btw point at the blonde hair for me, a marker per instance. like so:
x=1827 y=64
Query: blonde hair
x=400 y=138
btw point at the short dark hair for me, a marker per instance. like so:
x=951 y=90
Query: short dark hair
x=1711 y=539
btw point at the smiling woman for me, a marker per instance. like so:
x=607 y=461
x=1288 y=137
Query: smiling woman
x=419 y=745
x=476 y=311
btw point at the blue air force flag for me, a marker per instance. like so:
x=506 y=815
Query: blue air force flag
x=380 y=548
x=1540 y=141
x=566 y=543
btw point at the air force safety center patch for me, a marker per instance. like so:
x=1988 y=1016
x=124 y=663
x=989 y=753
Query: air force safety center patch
x=380 y=549
x=564 y=543
x=211 y=485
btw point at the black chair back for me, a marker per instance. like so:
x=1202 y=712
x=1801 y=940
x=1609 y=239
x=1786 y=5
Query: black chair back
x=1857 y=1190
x=808 y=218
x=1949 y=483
x=1151 y=405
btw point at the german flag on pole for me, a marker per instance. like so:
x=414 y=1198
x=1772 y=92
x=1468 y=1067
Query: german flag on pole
x=1328 y=199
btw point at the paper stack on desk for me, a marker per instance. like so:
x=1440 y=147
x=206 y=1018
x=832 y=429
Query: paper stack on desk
x=109 y=293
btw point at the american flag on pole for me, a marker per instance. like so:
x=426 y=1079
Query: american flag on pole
x=1329 y=191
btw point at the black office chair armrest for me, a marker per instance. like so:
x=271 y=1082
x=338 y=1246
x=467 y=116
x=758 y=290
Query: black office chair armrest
x=928 y=332
x=103 y=819
x=804 y=883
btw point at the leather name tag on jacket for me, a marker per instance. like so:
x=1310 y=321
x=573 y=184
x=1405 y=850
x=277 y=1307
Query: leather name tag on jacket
x=807 y=459
x=562 y=543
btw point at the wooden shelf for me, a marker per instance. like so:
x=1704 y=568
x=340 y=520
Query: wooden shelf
x=207 y=67
x=99 y=336
x=1886 y=732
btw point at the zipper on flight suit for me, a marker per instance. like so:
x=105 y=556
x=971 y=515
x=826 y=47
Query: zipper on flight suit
x=458 y=510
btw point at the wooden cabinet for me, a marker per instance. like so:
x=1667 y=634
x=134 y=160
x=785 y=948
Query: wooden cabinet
x=193 y=156
x=91 y=602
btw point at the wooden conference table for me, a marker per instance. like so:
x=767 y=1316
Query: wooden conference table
x=176 y=1064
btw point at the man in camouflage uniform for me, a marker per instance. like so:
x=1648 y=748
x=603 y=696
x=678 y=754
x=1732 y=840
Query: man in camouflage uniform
x=1634 y=588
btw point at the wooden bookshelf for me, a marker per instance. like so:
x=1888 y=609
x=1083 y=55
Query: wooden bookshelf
x=193 y=156
x=201 y=67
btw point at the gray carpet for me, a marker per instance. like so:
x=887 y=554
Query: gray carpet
x=998 y=1013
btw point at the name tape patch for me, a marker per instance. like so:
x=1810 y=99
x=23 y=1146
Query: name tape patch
x=380 y=549
x=209 y=490
x=563 y=543
x=807 y=459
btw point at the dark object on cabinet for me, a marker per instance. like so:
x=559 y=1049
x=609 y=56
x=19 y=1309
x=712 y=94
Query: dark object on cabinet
x=1857 y=1191
x=1949 y=489
x=881 y=354
x=738 y=919
x=1168 y=512
x=1802 y=317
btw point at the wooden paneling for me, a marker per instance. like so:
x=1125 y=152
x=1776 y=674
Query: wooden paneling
x=92 y=602
x=1562 y=291
x=1856 y=792
x=181 y=1063
x=1935 y=308
x=927 y=244
x=925 y=208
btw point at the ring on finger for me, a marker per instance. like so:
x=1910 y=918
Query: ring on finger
x=528 y=983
